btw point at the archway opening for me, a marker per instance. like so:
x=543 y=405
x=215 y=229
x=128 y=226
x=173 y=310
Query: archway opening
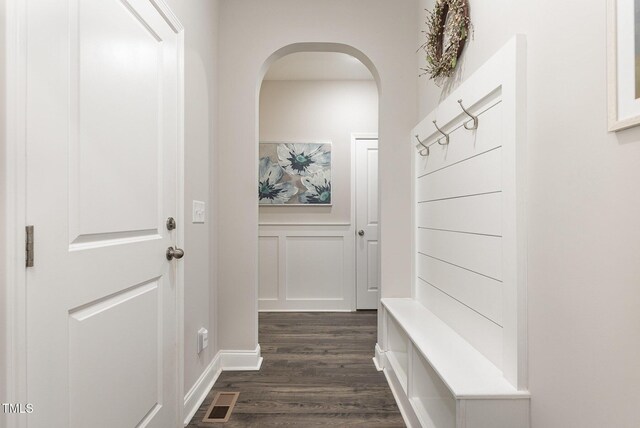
x=317 y=159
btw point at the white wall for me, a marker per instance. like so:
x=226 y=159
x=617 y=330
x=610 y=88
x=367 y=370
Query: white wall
x=328 y=110
x=583 y=208
x=250 y=32
x=3 y=287
x=200 y=19
x=306 y=110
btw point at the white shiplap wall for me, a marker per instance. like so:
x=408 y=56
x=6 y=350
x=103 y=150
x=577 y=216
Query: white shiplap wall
x=470 y=213
x=459 y=232
x=455 y=352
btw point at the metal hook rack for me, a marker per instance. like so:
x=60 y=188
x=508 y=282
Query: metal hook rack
x=473 y=118
x=424 y=151
x=446 y=136
x=420 y=152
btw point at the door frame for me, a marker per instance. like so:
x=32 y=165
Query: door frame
x=355 y=136
x=13 y=365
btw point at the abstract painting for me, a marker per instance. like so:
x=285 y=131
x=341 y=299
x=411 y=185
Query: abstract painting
x=294 y=173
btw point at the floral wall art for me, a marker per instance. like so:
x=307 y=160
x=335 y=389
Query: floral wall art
x=294 y=174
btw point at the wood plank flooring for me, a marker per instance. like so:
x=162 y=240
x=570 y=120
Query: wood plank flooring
x=317 y=371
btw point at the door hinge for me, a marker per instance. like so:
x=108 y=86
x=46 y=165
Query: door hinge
x=29 y=246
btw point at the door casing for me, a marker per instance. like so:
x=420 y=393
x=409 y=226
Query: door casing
x=14 y=206
x=355 y=136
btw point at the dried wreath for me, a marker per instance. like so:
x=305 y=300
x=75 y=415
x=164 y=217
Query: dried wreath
x=447 y=32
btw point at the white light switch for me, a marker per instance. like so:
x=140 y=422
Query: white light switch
x=203 y=339
x=198 y=212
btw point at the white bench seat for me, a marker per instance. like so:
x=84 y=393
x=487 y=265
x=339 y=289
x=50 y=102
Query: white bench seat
x=466 y=372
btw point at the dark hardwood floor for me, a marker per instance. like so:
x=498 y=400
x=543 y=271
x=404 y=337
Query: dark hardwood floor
x=317 y=371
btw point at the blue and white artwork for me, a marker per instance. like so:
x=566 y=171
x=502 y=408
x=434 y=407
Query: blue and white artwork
x=294 y=174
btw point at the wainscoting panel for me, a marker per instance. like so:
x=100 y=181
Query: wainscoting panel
x=269 y=267
x=306 y=268
x=315 y=267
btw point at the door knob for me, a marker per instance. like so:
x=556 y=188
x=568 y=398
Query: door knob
x=361 y=232
x=174 y=253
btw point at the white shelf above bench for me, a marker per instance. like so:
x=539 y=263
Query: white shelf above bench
x=467 y=373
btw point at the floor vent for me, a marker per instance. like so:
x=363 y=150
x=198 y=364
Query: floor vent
x=221 y=407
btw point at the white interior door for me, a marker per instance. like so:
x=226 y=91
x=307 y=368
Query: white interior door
x=102 y=165
x=367 y=224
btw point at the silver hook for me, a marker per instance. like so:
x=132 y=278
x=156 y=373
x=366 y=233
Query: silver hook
x=446 y=136
x=422 y=144
x=474 y=118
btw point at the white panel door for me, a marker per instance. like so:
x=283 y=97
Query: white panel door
x=102 y=165
x=367 y=278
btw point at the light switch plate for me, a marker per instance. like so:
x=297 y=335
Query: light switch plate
x=198 y=212
x=203 y=339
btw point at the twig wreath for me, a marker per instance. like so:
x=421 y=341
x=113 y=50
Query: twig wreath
x=447 y=32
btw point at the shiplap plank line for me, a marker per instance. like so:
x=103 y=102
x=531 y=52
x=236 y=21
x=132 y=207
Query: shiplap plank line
x=480 y=332
x=458 y=266
x=459 y=197
x=481 y=174
x=464 y=143
x=479 y=253
x=478 y=214
x=426 y=174
x=459 y=301
x=481 y=293
x=460 y=231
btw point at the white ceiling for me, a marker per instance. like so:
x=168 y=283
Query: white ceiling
x=318 y=66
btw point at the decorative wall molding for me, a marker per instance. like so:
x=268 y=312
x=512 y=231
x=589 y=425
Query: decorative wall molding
x=290 y=280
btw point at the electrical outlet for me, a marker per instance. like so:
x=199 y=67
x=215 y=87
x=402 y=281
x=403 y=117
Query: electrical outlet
x=203 y=339
x=198 y=212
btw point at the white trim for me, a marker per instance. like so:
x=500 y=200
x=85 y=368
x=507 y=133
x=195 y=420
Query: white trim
x=283 y=300
x=222 y=362
x=241 y=360
x=168 y=15
x=402 y=400
x=303 y=224
x=326 y=311
x=379 y=358
x=199 y=391
x=15 y=206
x=615 y=123
x=179 y=29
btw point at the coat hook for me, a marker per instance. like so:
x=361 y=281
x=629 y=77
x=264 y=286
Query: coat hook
x=474 y=118
x=420 y=152
x=446 y=136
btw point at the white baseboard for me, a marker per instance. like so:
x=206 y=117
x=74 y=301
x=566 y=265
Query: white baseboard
x=198 y=392
x=241 y=360
x=406 y=410
x=378 y=359
x=223 y=361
